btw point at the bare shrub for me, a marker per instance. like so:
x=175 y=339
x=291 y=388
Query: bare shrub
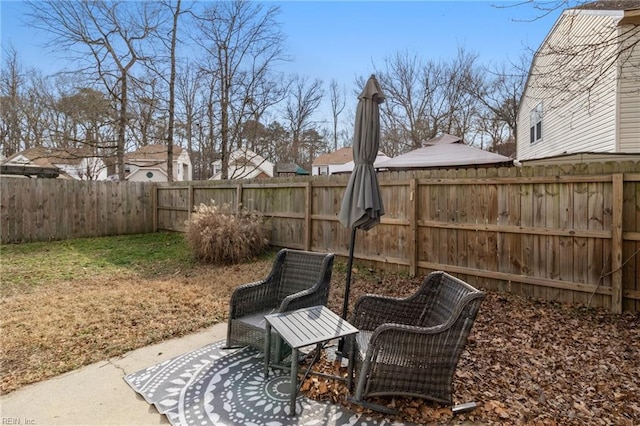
x=220 y=235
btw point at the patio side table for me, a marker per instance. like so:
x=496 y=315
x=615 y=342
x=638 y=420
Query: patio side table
x=303 y=327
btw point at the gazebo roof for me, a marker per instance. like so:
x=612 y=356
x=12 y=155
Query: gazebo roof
x=444 y=151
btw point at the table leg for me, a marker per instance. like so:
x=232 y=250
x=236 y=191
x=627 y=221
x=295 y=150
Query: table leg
x=352 y=349
x=294 y=380
x=267 y=349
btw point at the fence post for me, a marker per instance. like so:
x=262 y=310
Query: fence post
x=190 y=205
x=413 y=227
x=238 y=197
x=308 y=204
x=154 y=205
x=616 y=243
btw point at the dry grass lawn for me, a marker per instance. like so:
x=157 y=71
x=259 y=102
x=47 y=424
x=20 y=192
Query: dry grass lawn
x=527 y=361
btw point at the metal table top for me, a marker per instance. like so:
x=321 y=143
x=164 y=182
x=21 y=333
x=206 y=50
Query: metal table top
x=309 y=326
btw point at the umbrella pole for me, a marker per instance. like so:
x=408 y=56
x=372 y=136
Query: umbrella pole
x=345 y=306
x=347 y=288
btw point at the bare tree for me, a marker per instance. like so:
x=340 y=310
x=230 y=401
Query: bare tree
x=409 y=86
x=172 y=90
x=338 y=103
x=425 y=99
x=312 y=143
x=278 y=142
x=38 y=100
x=187 y=89
x=12 y=81
x=242 y=41
x=498 y=93
x=304 y=100
x=148 y=112
x=107 y=37
x=167 y=35
x=25 y=101
x=86 y=112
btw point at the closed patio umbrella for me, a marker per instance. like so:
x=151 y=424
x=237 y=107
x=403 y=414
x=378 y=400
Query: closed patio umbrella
x=362 y=204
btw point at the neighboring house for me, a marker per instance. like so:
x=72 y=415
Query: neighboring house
x=445 y=151
x=244 y=164
x=325 y=164
x=73 y=163
x=348 y=167
x=290 y=169
x=149 y=164
x=583 y=90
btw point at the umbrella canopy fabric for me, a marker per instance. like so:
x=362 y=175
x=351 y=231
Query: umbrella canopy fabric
x=362 y=204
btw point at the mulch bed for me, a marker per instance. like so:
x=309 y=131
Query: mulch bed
x=526 y=362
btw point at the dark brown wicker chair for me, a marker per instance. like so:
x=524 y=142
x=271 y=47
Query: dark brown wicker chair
x=411 y=346
x=297 y=280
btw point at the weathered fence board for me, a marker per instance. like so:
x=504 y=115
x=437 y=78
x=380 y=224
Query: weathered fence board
x=57 y=209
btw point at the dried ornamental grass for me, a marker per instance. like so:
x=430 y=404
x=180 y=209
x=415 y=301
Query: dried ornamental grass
x=220 y=235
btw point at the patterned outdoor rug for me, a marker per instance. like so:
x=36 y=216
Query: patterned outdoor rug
x=213 y=386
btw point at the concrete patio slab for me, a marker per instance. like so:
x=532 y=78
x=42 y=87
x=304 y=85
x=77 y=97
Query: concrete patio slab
x=97 y=394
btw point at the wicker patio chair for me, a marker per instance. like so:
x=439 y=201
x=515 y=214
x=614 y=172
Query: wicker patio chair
x=297 y=280
x=411 y=346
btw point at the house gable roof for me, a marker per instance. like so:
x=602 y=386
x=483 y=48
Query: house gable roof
x=152 y=153
x=341 y=156
x=614 y=8
x=246 y=164
x=47 y=157
x=610 y=5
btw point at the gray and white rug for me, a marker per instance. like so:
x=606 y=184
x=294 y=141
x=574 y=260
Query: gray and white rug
x=213 y=386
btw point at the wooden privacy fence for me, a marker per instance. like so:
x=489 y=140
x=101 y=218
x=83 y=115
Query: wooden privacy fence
x=566 y=233
x=58 y=209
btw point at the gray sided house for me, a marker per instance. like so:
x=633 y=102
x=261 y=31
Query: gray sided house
x=583 y=90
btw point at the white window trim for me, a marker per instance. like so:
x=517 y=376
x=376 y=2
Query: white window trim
x=536 y=124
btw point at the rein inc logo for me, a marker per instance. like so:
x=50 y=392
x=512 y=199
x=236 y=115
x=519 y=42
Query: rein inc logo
x=17 y=421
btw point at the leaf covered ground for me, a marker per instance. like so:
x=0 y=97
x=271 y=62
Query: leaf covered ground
x=527 y=361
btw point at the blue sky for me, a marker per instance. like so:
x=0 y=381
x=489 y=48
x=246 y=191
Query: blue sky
x=344 y=39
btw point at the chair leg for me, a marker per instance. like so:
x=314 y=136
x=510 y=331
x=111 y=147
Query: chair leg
x=360 y=385
x=372 y=406
x=231 y=347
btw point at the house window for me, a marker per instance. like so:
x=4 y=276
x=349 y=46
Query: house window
x=535 y=124
x=323 y=170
